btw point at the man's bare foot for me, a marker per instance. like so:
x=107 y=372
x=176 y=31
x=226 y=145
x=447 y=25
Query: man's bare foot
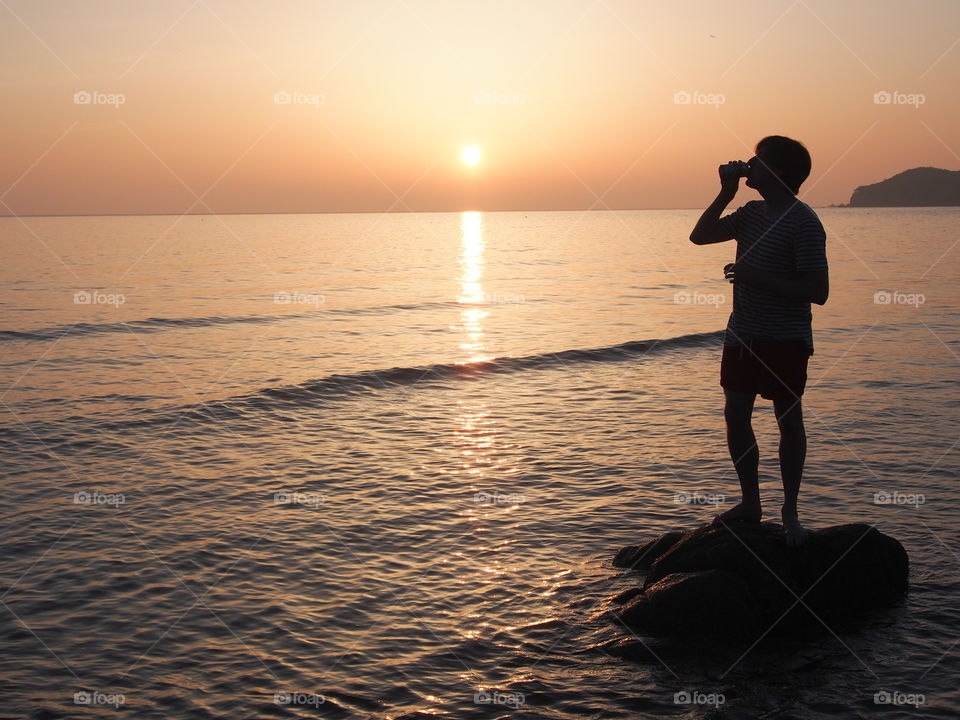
x=738 y=513
x=793 y=531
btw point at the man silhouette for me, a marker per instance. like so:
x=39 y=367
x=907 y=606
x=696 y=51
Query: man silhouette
x=780 y=268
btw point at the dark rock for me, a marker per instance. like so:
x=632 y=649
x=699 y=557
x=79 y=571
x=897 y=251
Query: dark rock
x=719 y=596
x=639 y=557
x=626 y=595
x=918 y=187
x=743 y=580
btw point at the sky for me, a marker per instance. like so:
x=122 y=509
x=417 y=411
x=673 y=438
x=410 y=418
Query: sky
x=226 y=106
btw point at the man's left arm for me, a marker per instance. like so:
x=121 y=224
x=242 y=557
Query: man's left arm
x=809 y=283
x=807 y=286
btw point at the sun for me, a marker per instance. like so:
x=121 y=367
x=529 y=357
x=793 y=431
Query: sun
x=471 y=155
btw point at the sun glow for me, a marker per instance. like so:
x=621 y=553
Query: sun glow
x=471 y=155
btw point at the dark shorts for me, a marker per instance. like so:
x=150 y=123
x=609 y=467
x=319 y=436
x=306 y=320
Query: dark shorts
x=774 y=369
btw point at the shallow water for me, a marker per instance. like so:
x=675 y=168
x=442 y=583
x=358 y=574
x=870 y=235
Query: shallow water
x=464 y=415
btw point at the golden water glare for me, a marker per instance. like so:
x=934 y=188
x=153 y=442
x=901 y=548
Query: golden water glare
x=475 y=433
x=472 y=247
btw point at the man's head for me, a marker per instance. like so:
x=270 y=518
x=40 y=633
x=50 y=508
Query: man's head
x=779 y=161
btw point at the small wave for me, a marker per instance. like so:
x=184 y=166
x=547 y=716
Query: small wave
x=160 y=324
x=148 y=325
x=441 y=372
x=332 y=387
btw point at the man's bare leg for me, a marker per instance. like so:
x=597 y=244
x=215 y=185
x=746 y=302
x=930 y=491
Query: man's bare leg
x=793 y=452
x=742 y=444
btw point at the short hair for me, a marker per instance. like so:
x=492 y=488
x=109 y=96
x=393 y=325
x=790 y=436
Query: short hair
x=789 y=158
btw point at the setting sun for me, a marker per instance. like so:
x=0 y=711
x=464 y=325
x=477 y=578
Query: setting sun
x=471 y=155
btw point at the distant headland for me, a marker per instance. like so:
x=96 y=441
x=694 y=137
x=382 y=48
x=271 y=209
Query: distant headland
x=918 y=187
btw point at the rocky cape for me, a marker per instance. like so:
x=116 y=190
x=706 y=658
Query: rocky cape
x=919 y=187
x=742 y=580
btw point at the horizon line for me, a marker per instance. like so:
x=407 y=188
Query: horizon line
x=363 y=212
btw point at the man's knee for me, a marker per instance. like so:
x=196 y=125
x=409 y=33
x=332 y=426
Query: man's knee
x=789 y=416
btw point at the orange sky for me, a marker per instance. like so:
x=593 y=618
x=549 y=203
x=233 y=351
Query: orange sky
x=583 y=108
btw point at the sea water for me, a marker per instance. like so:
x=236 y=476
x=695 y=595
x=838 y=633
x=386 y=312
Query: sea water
x=376 y=466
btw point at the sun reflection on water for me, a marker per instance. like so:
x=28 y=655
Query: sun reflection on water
x=472 y=247
x=475 y=436
x=480 y=459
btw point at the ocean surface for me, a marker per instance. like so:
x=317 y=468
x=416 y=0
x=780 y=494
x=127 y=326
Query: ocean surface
x=377 y=466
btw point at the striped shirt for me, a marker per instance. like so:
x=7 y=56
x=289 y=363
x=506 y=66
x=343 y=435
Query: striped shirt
x=793 y=244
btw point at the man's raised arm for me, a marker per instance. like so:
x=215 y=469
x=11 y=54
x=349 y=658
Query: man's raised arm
x=708 y=230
